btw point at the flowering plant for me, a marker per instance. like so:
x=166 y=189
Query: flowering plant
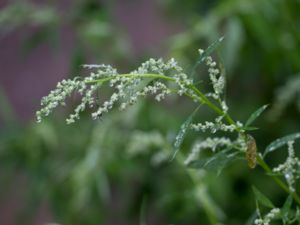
x=228 y=140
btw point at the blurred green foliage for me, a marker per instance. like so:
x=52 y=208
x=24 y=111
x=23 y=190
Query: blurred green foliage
x=93 y=173
x=260 y=52
x=265 y=31
x=101 y=172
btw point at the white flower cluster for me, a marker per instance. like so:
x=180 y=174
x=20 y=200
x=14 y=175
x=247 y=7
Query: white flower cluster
x=217 y=125
x=128 y=87
x=57 y=97
x=242 y=142
x=217 y=79
x=65 y=88
x=213 y=144
x=158 y=67
x=218 y=82
x=159 y=89
x=103 y=71
x=268 y=217
x=209 y=143
x=290 y=168
x=87 y=99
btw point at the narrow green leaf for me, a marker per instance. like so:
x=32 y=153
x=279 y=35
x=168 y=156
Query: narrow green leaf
x=262 y=199
x=250 y=128
x=273 y=174
x=256 y=114
x=280 y=142
x=206 y=53
x=216 y=163
x=286 y=208
x=197 y=164
x=182 y=133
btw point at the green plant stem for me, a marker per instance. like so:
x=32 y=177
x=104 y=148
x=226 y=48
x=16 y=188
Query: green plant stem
x=146 y=75
x=265 y=166
x=204 y=100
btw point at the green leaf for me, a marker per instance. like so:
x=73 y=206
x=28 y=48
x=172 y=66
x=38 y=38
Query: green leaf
x=182 y=133
x=198 y=164
x=249 y=128
x=280 y=142
x=262 y=199
x=256 y=114
x=206 y=53
x=286 y=208
x=216 y=163
x=272 y=174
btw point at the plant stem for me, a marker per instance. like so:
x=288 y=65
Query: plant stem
x=146 y=75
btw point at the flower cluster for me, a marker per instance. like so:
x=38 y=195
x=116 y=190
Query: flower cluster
x=57 y=97
x=217 y=79
x=290 y=168
x=217 y=125
x=65 y=88
x=146 y=80
x=209 y=143
x=273 y=214
x=215 y=143
x=218 y=83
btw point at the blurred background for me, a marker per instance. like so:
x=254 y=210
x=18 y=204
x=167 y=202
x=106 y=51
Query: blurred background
x=116 y=171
